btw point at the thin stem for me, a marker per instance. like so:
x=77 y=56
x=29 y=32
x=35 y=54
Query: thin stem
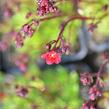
x=51 y=17
x=100 y=70
x=66 y=22
x=46 y=18
x=102 y=17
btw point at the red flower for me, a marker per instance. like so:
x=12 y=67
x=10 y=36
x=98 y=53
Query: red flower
x=52 y=57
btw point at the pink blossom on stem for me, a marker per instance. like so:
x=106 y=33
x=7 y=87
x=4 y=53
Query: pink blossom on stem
x=94 y=93
x=28 y=30
x=45 y=6
x=52 y=57
x=19 y=40
x=86 y=78
x=88 y=105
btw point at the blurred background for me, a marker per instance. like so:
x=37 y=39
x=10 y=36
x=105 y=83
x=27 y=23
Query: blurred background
x=26 y=82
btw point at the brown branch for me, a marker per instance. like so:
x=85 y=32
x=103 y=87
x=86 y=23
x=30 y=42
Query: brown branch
x=66 y=22
x=51 y=17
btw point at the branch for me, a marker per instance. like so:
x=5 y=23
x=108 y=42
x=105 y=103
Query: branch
x=83 y=44
x=64 y=24
x=101 y=70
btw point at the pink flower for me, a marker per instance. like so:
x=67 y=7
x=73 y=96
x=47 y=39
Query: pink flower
x=3 y=46
x=7 y=11
x=22 y=62
x=88 y=105
x=92 y=27
x=45 y=6
x=28 y=30
x=19 y=40
x=52 y=57
x=86 y=78
x=94 y=93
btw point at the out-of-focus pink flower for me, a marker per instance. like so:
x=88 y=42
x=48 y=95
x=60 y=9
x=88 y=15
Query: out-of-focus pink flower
x=52 y=57
x=19 y=40
x=3 y=46
x=7 y=11
x=94 y=92
x=22 y=62
x=86 y=78
x=92 y=27
x=88 y=105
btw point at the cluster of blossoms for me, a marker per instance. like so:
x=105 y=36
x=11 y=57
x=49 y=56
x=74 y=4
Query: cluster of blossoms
x=95 y=83
x=22 y=62
x=94 y=93
x=95 y=90
x=27 y=30
x=45 y=7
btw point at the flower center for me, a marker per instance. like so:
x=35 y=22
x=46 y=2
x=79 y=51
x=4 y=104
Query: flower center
x=53 y=55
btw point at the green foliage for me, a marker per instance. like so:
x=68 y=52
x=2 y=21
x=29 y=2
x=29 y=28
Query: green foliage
x=52 y=89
